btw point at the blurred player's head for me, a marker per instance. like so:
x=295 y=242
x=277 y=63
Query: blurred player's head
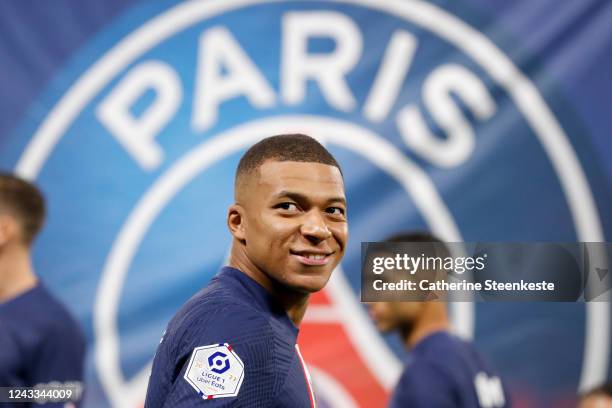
x=599 y=397
x=289 y=217
x=22 y=211
x=408 y=317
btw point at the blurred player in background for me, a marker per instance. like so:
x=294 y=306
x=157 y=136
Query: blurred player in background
x=441 y=370
x=40 y=342
x=600 y=397
x=234 y=342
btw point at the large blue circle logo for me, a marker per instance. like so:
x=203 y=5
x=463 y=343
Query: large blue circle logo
x=424 y=113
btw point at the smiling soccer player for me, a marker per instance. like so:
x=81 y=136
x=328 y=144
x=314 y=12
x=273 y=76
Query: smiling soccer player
x=234 y=342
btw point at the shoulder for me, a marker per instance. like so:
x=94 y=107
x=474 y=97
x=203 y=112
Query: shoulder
x=422 y=372
x=423 y=384
x=456 y=357
x=47 y=319
x=211 y=345
x=442 y=350
x=217 y=311
x=208 y=320
x=428 y=366
x=60 y=320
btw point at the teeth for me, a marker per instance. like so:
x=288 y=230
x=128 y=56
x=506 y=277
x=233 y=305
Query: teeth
x=316 y=257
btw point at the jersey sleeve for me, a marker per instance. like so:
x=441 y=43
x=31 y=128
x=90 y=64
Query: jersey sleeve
x=199 y=350
x=423 y=386
x=60 y=358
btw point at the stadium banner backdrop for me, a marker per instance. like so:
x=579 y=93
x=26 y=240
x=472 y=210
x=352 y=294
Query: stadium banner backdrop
x=477 y=120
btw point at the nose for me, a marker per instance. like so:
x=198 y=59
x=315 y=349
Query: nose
x=314 y=227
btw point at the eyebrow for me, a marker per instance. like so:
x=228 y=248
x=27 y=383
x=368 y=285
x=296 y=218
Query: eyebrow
x=301 y=197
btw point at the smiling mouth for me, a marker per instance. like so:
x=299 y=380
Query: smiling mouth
x=312 y=259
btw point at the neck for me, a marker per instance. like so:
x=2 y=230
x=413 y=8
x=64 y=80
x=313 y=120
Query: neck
x=433 y=319
x=294 y=302
x=295 y=305
x=16 y=272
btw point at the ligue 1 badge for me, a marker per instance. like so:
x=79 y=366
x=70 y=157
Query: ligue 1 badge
x=215 y=371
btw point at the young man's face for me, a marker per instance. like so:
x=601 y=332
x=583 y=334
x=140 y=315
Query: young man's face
x=596 y=401
x=389 y=316
x=295 y=223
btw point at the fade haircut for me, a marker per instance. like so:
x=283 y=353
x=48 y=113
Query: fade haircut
x=604 y=390
x=24 y=202
x=414 y=236
x=289 y=147
x=422 y=237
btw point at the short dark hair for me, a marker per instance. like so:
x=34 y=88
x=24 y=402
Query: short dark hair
x=603 y=389
x=421 y=236
x=24 y=201
x=415 y=236
x=288 y=147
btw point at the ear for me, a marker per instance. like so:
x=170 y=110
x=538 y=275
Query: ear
x=236 y=222
x=7 y=229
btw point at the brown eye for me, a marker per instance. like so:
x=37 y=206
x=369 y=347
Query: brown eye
x=287 y=206
x=335 y=211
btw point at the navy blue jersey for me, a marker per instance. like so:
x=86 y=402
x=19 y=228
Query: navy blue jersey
x=444 y=371
x=40 y=343
x=229 y=345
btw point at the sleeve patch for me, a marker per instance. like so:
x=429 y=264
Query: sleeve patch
x=215 y=371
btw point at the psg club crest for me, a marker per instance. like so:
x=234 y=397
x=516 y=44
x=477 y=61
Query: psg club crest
x=432 y=123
